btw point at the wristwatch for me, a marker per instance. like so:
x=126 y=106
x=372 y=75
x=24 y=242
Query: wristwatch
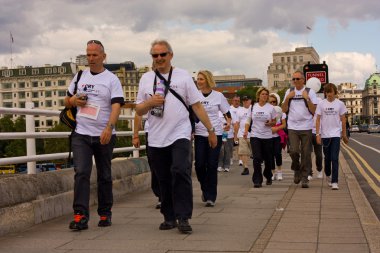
x=110 y=125
x=212 y=129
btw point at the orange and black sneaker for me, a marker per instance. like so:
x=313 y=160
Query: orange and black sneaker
x=80 y=222
x=105 y=221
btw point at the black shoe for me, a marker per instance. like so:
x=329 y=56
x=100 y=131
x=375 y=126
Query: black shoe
x=166 y=225
x=158 y=206
x=245 y=171
x=105 y=221
x=257 y=185
x=297 y=177
x=80 y=222
x=269 y=182
x=305 y=184
x=184 y=226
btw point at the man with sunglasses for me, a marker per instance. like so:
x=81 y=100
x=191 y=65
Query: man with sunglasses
x=98 y=100
x=300 y=104
x=170 y=133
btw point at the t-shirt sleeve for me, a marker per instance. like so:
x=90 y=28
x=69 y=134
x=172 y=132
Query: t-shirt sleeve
x=286 y=94
x=343 y=109
x=224 y=106
x=318 y=111
x=140 y=93
x=70 y=90
x=117 y=95
x=193 y=95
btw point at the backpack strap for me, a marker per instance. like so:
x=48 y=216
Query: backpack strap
x=76 y=82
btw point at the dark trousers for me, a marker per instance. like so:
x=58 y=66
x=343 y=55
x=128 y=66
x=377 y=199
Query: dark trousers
x=173 y=169
x=318 y=154
x=277 y=152
x=331 y=147
x=300 y=146
x=84 y=147
x=154 y=184
x=206 y=165
x=262 y=150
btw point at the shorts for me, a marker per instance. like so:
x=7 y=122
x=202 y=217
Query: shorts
x=244 y=147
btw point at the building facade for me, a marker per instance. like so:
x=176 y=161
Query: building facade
x=230 y=84
x=286 y=63
x=352 y=98
x=371 y=98
x=44 y=86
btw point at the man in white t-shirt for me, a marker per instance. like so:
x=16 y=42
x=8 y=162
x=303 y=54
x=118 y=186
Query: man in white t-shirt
x=170 y=133
x=234 y=108
x=98 y=99
x=299 y=104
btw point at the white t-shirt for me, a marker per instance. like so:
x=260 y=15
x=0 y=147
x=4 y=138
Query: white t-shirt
x=213 y=103
x=299 y=117
x=224 y=121
x=175 y=123
x=315 y=118
x=242 y=115
x=233 y=111
x=102 y=90
x=331 y=125
x=260 y=115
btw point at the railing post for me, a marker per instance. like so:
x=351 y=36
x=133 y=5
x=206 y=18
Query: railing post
x=30 y=142
x=136 y=153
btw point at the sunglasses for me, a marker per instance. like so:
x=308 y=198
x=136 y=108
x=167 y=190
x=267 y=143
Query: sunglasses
x=95 y=42
x=162 y=55
x=296 y=78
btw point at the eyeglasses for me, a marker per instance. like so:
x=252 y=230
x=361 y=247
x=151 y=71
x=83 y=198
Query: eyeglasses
x=162 y=55
x=95 y=42
x=296 y=78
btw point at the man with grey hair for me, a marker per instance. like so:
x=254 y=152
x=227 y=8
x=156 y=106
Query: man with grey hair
x=166 y=94
x=299 y=104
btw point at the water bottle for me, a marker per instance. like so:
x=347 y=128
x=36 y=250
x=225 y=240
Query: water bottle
x=158 y=111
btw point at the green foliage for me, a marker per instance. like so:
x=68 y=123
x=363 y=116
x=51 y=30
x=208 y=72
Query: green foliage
x=281 y=93
x=249 y=91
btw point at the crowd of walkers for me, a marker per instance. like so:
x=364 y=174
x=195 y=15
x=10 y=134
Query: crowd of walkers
x=186 y=120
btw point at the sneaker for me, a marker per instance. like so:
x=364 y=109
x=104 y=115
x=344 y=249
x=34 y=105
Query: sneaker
x=245 y=171
x=210 y=203
x=166 y=225
x=240 y=163
x=297 y=177
x=231 y=162
x=273 y=177
x=334 y=186
x=80 y=222
x=279 y=176
x=309 y=177
x=226 y=169
x=257 y=185
x=328 y=179
x=269 y=182
x=319 y=174
x=105 y=221
x=158 y=205
x=184 y=226
x=220 y=169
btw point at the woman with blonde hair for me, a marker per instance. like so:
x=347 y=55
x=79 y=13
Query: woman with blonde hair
x=206 y=158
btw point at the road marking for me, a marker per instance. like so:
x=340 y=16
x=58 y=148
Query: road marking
x=372 y=148
x=362 y=171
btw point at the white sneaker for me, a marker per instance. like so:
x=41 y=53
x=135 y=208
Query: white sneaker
x=220 y=169
x=319 y=174
x=309 y=178
x=232 y=162
x=240 y=163
x=334 y=186
x=279 y=176
x=226 y=169
x=328 y=179
x=273 y=177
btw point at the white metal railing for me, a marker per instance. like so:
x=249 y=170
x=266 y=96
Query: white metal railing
x=30 y=135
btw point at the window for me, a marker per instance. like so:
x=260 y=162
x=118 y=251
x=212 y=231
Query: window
x=62 y=93
x=21 y=105
x=37 y=123
x=54 y=70
x=22 y=72
x=48 y=71
x=35 y=94
x=62 y=70
x=275 y=75
x=61 y=102
x=35 y=71
x=7 y=95
x=48 y=103
x=49 y=122
x=35 y=104
x=34 y=84
x=288 y=58
x=300 y=58
x=21 y=95
x=61 y=82
x=7 y=104
x=7 y=86
x=282 y=59
x=47 y=83
x=294 y=58
x=21 y=85
x=295 y=66
x=7 y=72
x=41 y=103
x=48 y=94
x=41 y=93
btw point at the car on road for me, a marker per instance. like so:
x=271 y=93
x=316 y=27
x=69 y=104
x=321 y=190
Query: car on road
x=373 y=128
x=363 y=128
x=354 y=129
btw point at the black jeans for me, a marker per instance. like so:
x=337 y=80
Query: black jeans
x=154 y=184
x=173 y=169
x=206 y=165
x=318 y=154
x=84 y=147
x=262 y=150
x=277 y=152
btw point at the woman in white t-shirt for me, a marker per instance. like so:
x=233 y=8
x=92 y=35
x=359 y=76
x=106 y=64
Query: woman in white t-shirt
x=330 y=127
x=206 y=158
x=263 y=116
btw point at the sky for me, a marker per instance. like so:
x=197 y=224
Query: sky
x=223 y=36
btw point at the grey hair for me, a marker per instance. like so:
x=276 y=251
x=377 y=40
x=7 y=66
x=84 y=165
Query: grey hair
x=162 y=42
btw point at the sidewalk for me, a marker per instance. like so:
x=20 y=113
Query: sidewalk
x=279 y=218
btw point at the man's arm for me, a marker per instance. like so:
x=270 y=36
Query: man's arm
x=105 y=137
x=136 y=128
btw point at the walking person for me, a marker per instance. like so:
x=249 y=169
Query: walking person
x=234 y=108
x=170 y=132
x=206 y=157
x=299 y=104
x=263 y=117
x=244 y=149
x=99 y=98
x=278 y=143
x=331 y=128
x=317 y=148
x=225 y=155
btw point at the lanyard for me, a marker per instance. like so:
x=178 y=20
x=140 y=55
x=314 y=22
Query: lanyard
x=166 y=82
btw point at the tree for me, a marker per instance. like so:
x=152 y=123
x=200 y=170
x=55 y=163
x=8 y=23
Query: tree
x=249 y=91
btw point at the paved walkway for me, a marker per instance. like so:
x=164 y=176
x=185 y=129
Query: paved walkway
x=279 y=218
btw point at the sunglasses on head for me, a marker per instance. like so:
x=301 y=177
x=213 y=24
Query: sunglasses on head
x=162 y=55
x=296 y=78
x=95 y=42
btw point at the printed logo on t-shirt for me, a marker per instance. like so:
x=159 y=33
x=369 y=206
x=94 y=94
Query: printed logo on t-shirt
x=90 y=88
x=330 y=111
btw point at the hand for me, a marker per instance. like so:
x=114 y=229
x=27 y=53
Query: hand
x=245 y=135
x=78 y=101
x=274 y=129
x=156 y=100
x=305 y=95
x=212 y=140
x=136 y=141
x=227 y=127
x=291 y=95
x=345 y=139
x=268 y=123
x=106 y=135
x=319 y=140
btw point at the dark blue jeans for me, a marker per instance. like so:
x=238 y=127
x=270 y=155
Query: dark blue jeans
x=154 y=184
x=172 y=165
x=84 y=147
x=206 y=165
x=318 y=154
x=262 y=150
x=331 y=148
